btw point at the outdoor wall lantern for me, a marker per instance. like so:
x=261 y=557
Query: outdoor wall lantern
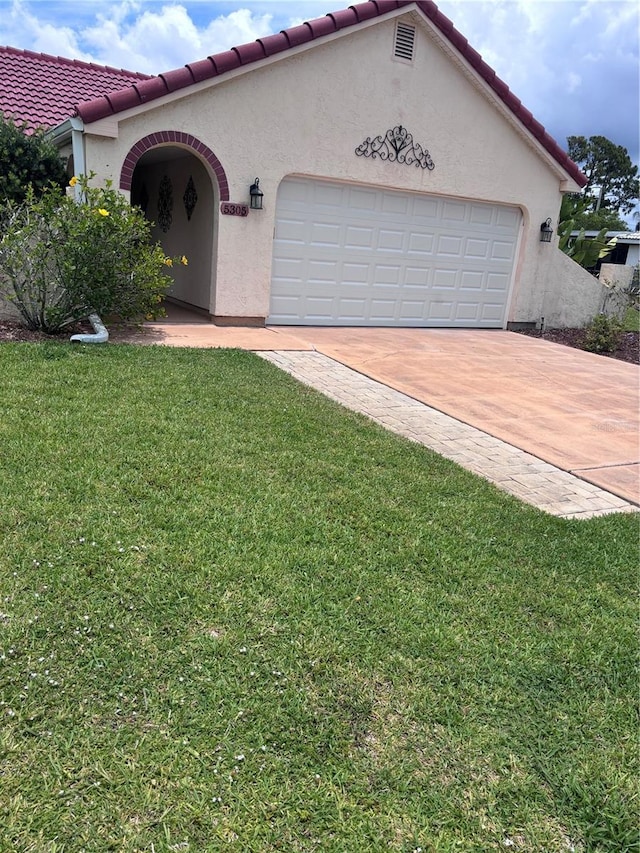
x=546 y=231
x=255 y=196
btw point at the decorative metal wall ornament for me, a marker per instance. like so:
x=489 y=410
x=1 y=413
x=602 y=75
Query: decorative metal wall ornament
x=190 y=197
x=165 y=204
x=397 y=146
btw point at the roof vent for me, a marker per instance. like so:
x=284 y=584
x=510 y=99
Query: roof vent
x=405 y=40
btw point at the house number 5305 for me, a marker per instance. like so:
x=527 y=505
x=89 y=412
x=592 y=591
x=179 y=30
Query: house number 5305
x=231 y=209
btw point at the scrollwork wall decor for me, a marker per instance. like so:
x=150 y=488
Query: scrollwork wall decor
x=397 y=146
x=190 y=197
x=165 y=203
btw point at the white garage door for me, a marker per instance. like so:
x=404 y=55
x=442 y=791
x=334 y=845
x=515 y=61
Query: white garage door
x=349 y=255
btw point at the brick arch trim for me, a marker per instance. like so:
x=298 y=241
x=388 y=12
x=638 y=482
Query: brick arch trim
x=165 y=137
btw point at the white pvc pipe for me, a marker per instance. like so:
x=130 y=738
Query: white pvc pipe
x=101 y=335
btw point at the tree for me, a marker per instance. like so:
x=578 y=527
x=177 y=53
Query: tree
x=597 y=220
x=586 y=251
x=612 y=177
x=27 y=160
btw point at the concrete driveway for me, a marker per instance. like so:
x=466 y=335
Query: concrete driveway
x=575 y=410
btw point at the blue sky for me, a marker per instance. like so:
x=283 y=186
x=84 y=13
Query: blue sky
x=573 y=63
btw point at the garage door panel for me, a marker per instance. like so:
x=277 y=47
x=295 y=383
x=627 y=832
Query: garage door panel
x=322 y=194
x=475 y=248
x=491 y=312
x=425 y=209
x=395 y=203
x=497 y=282
x=416 y=277
x=441 y=311
x=448 y=245
x=468 y=312
x=324 y=234
x=444 y=278
x=507 y=217
x=353 y=255
x=421 y=244
x=361 y=199
x=291 y=231
x=323 y=270
x=391 y=241
x=481 y=215
x=355 y=273
x=472 y=280
x=501 y=251
x=454 y=211
x=358 y=237
x=353 y=309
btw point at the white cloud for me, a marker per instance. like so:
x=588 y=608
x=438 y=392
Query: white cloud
x=159 y=41
x=574 y=82
x=130 y=34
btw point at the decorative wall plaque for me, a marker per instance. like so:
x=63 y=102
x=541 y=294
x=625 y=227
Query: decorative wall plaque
x=231 y=209
x=190 y=197
x=397 y=146
x=165 y=204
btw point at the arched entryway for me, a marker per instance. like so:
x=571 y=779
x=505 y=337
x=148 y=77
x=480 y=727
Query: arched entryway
x=179 y=184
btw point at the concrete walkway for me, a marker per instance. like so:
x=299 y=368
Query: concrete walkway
x=556 y=427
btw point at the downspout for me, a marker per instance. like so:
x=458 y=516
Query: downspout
x=74 y=127
x=77 y=147
x=100 y=335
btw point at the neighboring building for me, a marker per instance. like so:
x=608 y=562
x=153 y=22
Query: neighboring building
x=403 y=183
x=44 y=90
x=627 y=248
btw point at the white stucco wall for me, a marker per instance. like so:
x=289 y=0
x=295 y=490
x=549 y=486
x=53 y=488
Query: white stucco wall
x=572 y=296
x=305 y=114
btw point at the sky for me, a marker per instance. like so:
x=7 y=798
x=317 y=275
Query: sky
x=573 y=63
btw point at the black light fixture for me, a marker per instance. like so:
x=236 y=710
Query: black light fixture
x=255 y=195
x=546 y=231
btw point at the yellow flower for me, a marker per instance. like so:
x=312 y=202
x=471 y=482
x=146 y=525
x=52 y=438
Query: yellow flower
x=168 y=262
x=184 y=261
x=103 y=212
x=73 y=181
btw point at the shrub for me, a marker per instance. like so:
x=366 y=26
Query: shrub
x=60 y=259
x=603 y=334
x=28 y=160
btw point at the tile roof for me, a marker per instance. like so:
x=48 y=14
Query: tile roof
x=44 y=90
x=107 y=98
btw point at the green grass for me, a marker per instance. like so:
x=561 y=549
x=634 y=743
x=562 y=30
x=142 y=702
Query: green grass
x=236 y=617
x=631 y=320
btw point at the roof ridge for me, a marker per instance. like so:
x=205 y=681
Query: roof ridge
x=78 y=63
x=215 y=65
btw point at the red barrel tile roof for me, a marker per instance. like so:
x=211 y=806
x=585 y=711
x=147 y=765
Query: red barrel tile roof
x=107 y=99
x=45 y=90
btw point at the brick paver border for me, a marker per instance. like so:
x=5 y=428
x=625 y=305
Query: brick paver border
x=528 y=478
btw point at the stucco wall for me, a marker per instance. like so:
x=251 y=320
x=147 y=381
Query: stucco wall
x=306 y=113
x=572 y=296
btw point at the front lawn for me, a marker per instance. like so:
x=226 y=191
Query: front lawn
x=236 y=617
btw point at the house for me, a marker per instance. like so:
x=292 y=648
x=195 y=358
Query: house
x=397 y=181
x=627 y=246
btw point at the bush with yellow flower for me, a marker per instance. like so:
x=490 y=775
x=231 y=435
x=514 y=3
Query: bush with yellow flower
x=63 y=258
